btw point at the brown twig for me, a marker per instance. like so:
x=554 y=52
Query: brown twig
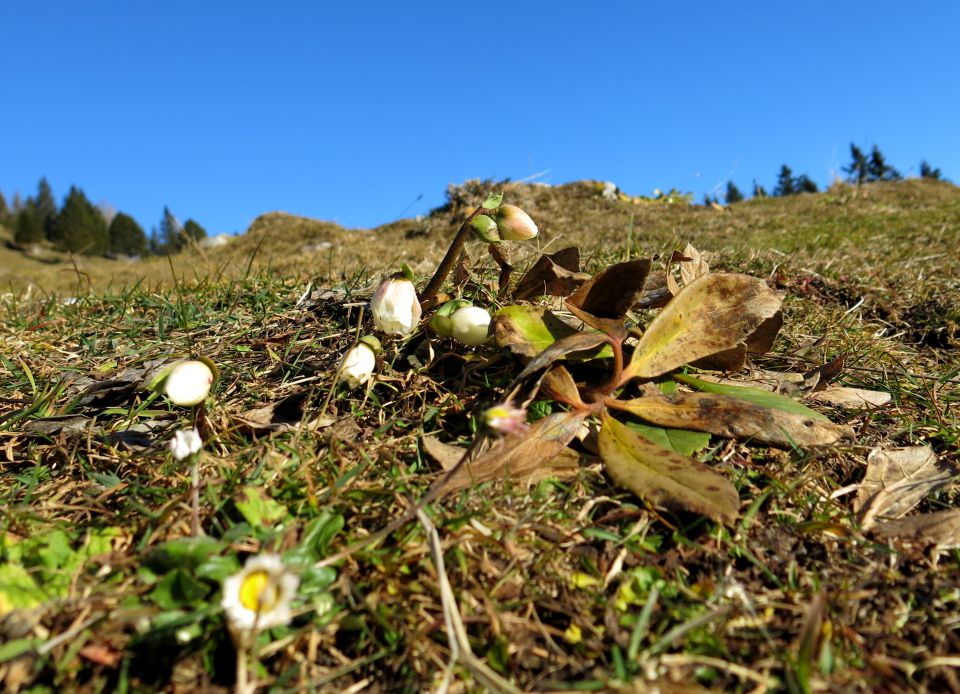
x=428 y=297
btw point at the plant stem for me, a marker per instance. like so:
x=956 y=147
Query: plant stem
x=429 y=295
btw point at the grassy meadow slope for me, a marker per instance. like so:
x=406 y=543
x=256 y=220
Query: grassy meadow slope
x=569 y=583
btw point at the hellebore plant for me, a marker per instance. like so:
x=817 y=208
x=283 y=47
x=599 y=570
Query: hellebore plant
x=395 y=306
x=648 y=428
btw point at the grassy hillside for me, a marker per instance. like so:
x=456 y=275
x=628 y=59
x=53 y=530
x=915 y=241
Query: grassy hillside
x=566 y=583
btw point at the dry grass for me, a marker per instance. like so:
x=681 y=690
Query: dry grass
x=564 y=585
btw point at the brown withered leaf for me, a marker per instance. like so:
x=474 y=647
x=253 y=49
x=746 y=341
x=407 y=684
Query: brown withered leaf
x=611 y=293
x=664 y=477
x=714 y=313
x=728 y=360
x=558 y=384
x=556 y=274
x=940 y=530
x=656 y=292
x=898 y=479
x=734 y=418
x=286 y=413
x=818 y=378
x=693 y=265
x=524 y=456
x=446 y=455
x=761 y=340
x=578 y=342
x=848 y=398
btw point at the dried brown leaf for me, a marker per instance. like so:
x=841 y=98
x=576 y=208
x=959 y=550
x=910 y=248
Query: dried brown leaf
x=693 y=266
x=664 y=477
x=525 y=456
x=850 y=398
x=940 y=530
x=557 y=274
x=715 y=313
x=558 y=384
x=734 y=418
x=611 y=293
x=898 y=479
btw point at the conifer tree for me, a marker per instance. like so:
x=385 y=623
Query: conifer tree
x=858 y=169
x=171 y=236
x=804 y=184
x=28 y=229
x=879 y=170
x=78 y=227
x=927 y=171
x=193 y=230
x=733 y=193
x=126 y=236
x=785 y=184
x=4 y=211
x=758 y=190
x=44 y=205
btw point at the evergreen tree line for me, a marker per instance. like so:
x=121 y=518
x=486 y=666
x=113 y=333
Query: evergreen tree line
x=78 y=226
x=862 y=169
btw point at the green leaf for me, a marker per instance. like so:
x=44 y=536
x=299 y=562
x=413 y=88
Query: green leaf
x=493 y=201
x=757 y=396
x=260 y=510
x=17 y=647
x=664 y=477
x=682 y=441
x=529 y=330
x=183 y=553
x=314 y=580
x=18 y=590
x=178 y=589
x=218 y=567
x=320 y=532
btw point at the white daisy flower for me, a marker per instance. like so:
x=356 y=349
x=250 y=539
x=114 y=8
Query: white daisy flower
x=259 y=596
x=185 y=442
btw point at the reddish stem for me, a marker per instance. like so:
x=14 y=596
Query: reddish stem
x=429 y=295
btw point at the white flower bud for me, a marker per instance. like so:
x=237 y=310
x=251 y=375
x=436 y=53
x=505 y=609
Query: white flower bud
x=515 y=224
x=395 y=307
x=358 y=365
x=185 y=443
x=470 y=325
x=188 y=383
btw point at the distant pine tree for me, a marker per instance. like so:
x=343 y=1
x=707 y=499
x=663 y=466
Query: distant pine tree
x=927 y=171
x=859 y=169
x=126 y=236
x=878 y=169
x=78 y=227
x=4 y=211
x=785 y=184
x=758 y=190
x=733 y=193
x=804 y=184
x=170 y=234
x=28 y=230
x=193 y=230
x=44 y=205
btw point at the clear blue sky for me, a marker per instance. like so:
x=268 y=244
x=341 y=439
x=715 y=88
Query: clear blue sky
x=349 y=111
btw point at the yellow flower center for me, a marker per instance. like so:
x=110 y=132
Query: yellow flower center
x=258 y=593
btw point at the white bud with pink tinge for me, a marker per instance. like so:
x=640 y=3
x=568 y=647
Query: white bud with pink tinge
x=514 y=224
x=395 y=307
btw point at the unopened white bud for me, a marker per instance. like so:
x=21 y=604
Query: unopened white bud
x=515 y=224
x=470 y=325
x=188 y=383
x=395 y=307
x=185 y=442
x=358 y=365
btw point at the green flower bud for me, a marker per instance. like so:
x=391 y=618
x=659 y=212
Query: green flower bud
x=485 y=228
